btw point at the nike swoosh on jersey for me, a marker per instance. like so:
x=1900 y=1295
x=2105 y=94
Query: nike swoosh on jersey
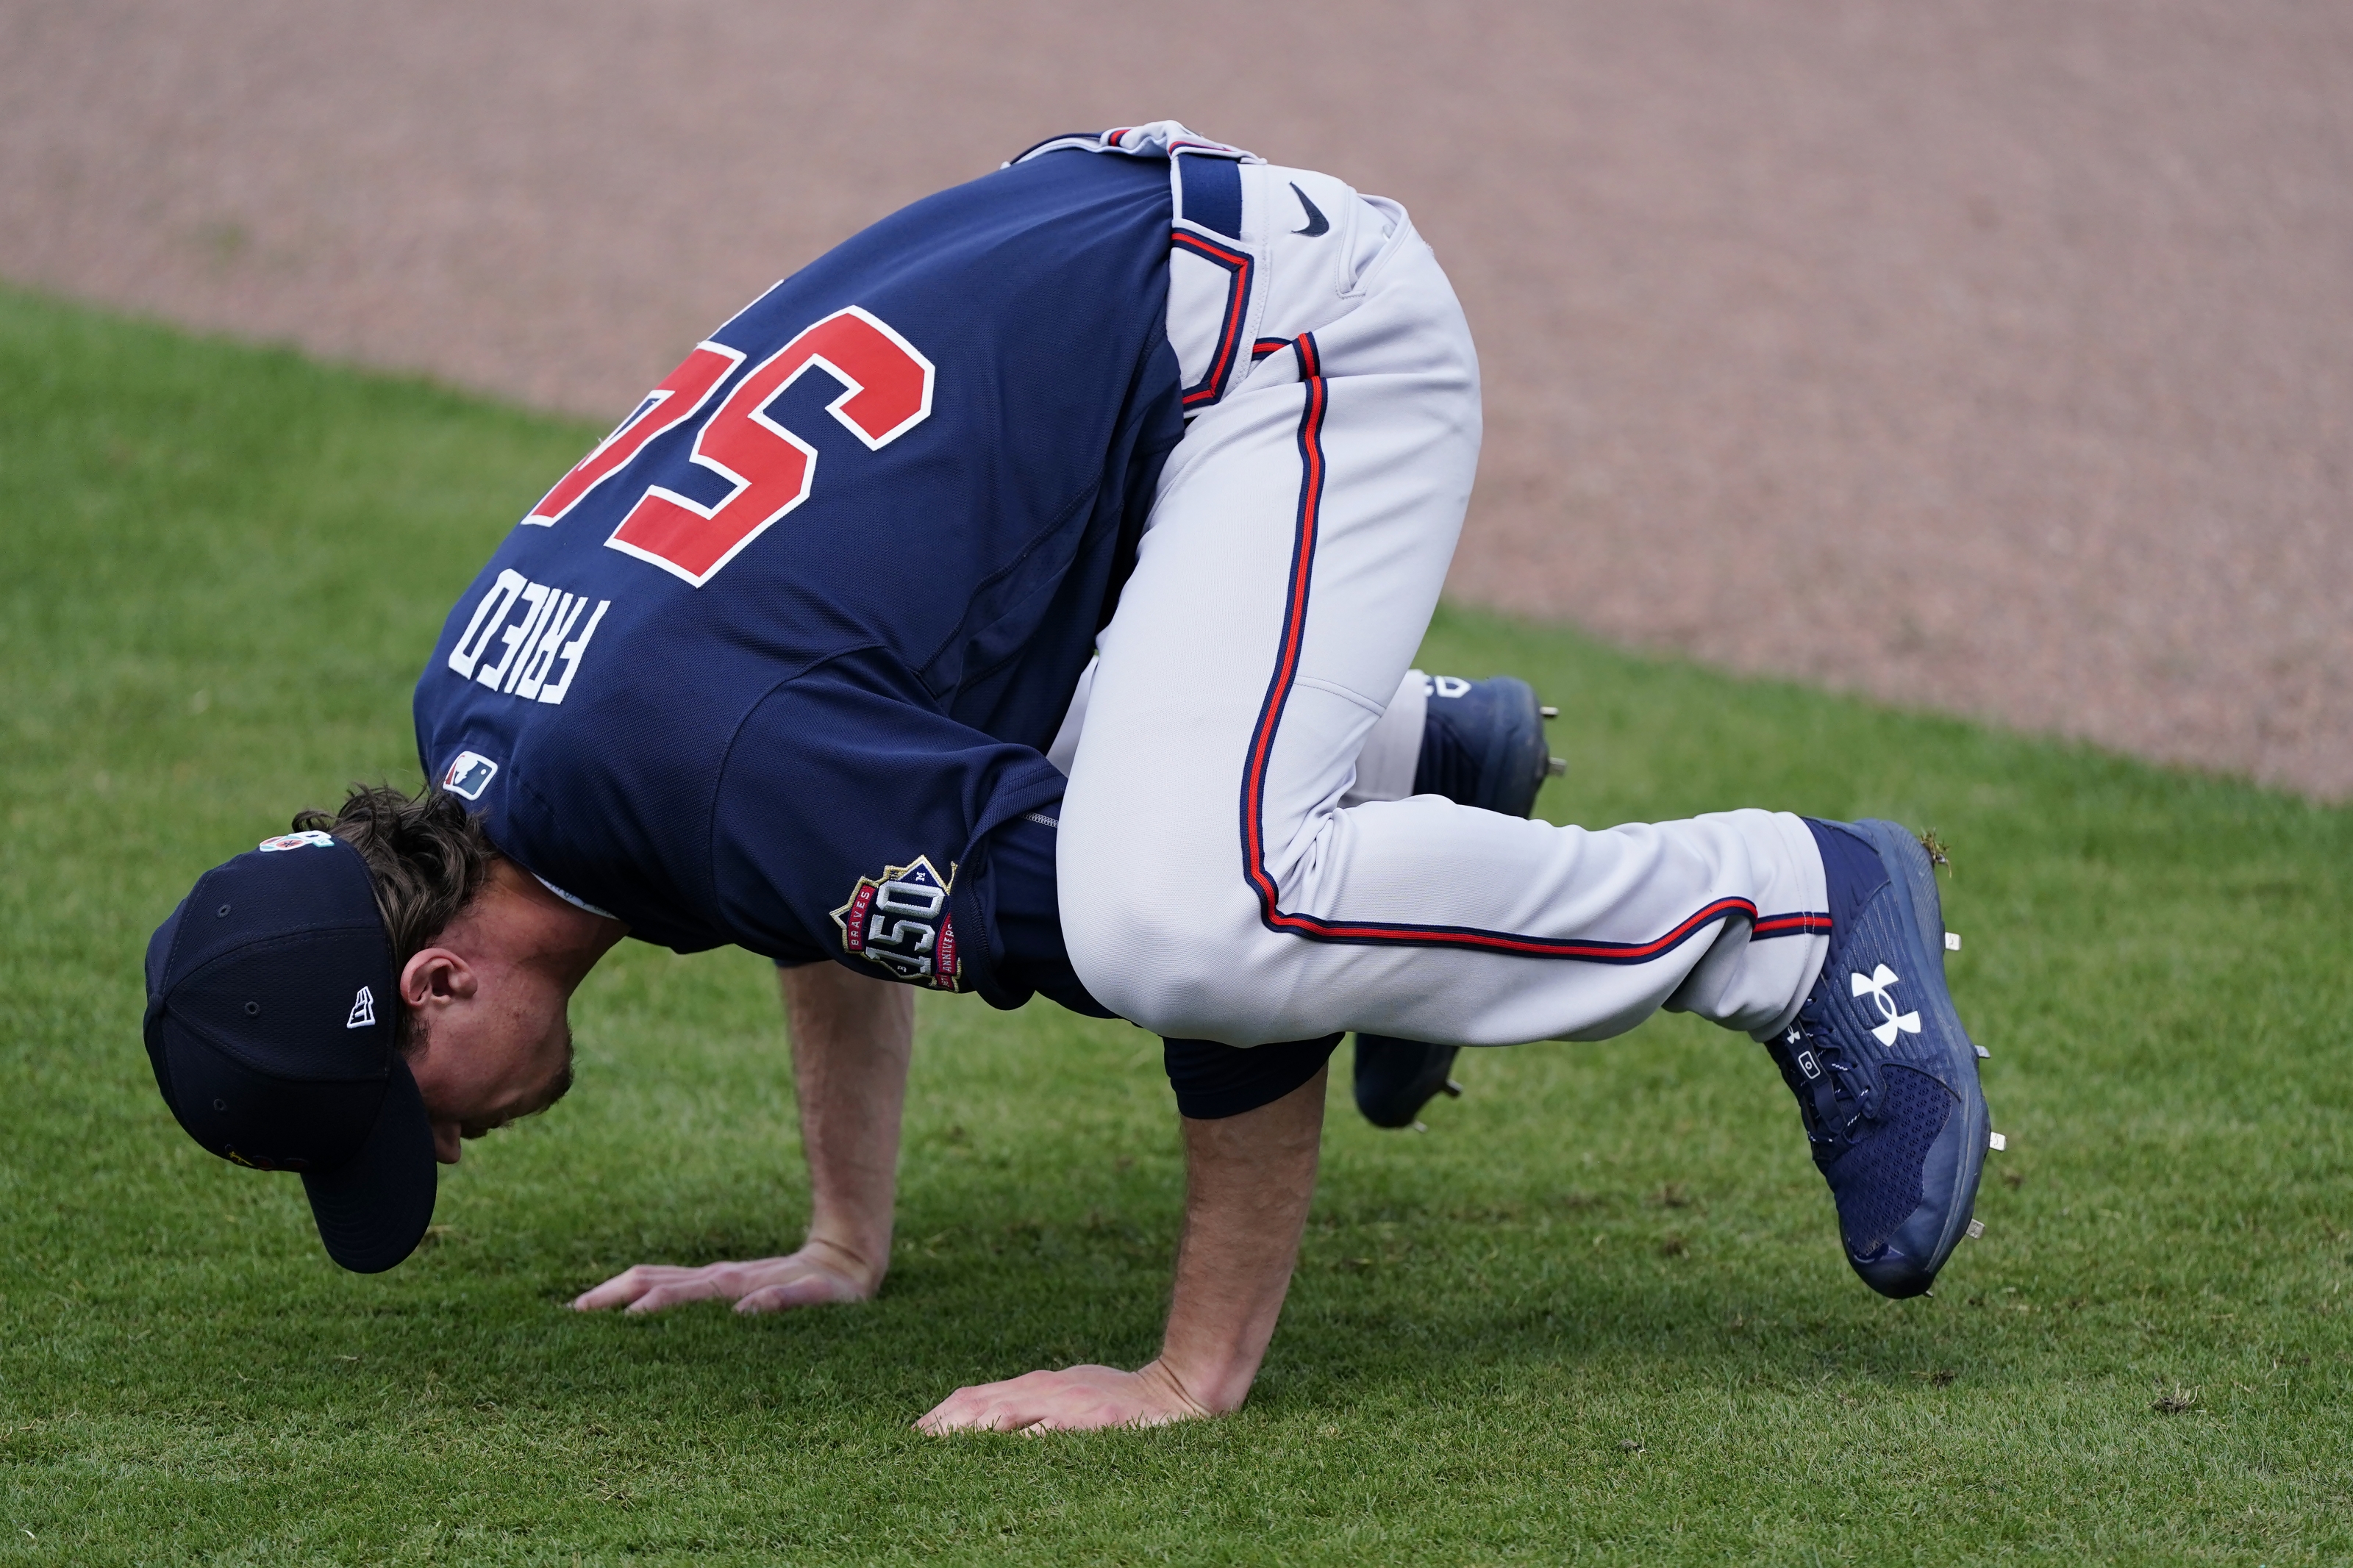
x=1316 y=222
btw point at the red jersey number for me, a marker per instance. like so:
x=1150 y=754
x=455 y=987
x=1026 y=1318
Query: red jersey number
x=769 y=468
x=665 y=407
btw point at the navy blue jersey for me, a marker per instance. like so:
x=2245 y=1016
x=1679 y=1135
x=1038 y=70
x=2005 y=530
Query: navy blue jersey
x=770 y=666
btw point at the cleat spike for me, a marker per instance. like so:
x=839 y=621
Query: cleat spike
x=1420 y=1127
x=1952 y=941
x=1996 y=1142
x=1548 y=712
x=1452 y=1089
x=1982 y=1050
x=1555 y=767
x=1977 y=1228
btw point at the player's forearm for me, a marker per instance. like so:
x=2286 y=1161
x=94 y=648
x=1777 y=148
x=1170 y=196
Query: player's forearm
x=852 y=1038
x=1249 y=1181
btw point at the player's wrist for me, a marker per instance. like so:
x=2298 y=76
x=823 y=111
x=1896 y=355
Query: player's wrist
x=861 y=1262
x=1200 y=1386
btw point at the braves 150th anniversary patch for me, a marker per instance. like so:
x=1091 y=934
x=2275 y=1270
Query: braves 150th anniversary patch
x=899 y=921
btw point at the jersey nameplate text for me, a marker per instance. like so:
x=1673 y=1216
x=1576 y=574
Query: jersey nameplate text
x=530 y=627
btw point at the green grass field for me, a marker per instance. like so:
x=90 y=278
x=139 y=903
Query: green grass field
x=1596 y=1313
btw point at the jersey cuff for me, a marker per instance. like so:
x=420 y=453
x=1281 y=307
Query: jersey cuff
x=1006 y=893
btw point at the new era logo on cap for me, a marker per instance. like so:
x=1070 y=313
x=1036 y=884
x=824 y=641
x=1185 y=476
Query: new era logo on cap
x=362 y=1010
x=469 y=776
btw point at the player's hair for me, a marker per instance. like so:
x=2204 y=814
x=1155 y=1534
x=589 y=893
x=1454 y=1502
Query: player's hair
x=426 y=854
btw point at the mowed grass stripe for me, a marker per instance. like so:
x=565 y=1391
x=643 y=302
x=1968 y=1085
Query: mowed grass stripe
x=1596 y=1313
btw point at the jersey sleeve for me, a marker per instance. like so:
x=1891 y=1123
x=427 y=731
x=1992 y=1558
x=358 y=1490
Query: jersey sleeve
x=851 y=820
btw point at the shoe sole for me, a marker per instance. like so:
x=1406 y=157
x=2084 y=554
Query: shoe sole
x=1908 y=864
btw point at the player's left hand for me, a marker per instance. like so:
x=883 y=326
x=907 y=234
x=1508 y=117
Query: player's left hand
x=1075 y=1399
x=816 y=1275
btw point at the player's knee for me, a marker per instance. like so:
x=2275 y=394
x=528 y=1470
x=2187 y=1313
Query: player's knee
x=1175 y=969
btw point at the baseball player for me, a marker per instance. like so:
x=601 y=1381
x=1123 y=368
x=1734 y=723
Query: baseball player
x=794 y=659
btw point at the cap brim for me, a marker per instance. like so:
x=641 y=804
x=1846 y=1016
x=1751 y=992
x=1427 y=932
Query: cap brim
x=372 y=1211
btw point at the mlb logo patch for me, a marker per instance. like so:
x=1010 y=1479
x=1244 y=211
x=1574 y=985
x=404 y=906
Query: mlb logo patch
x=469 y=776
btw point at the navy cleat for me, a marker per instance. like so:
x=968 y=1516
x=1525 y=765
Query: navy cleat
x=1885 y=1077
x=1483 y=744
x=1394 y=1078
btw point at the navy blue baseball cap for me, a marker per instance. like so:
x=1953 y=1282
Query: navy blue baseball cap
x=271 y=1005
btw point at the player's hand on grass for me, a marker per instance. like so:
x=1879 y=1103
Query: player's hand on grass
x=816 y=1274
x=1249 y=1179
x=1075 y=1399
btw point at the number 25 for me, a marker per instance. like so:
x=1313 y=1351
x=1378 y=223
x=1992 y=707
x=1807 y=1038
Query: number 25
x=769 y=468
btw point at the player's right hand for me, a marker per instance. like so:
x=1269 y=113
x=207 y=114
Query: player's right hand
x=816 y=1274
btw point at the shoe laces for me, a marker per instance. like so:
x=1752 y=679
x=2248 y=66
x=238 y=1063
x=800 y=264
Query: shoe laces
x=1838 y=1094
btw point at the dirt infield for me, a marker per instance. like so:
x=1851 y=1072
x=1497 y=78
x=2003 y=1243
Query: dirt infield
x=1995 y=357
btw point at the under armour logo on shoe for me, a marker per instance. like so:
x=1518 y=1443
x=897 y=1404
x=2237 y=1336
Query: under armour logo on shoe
x=1875 y=987
x=362 y=1010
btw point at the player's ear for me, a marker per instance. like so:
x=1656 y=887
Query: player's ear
x=436 y=974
